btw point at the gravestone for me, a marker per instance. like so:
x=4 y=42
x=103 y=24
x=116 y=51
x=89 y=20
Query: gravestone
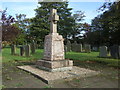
x=95 y=48
x=74 y=47
x=22 y=51
x=33 y=47
x=68 y=46
x=13 y=49
x=65 y=49
x=103 y=51
x=79 y=48
x=87 y=48
x=54 y=59
x=27 y=50
x=114 y=51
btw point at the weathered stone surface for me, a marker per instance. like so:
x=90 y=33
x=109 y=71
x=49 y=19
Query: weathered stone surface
x=53 y=19
x=33 y=47
x=27 y=50
x=55 y=64
x=68 y=46
x=95 y=48
x=13 y=49
x=114 y=51
x=79 y=46
x=103 y=51
x=22 y=51
x=50 y=77
x=53 y=59
x=87 y=48
x=74 y=47
x=54 y=47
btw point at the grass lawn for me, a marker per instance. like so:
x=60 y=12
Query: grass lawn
x=6 y=57
x=93 y=56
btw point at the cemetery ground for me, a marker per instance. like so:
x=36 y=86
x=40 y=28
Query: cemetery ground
x=16 y=78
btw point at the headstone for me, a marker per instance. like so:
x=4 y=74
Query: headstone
x=95 y=48
x=33 y=47
x=103 y=51
x=65 y=49
x=79 y=47
x=74 y=47
x=22 y=51
x=54 y=59
x=13 y=49
x=114 y=51
x=27 y=50
x=87 y=48
x=68 y=46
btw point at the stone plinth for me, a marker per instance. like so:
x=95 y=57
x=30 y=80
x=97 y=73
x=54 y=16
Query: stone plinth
x=53 y=77
x=58 y=65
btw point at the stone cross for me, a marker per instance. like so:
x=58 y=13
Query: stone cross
x=54 y=58
x=53 y=21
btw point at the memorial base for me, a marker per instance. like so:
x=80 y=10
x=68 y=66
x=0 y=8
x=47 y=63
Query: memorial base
x=53 y=66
